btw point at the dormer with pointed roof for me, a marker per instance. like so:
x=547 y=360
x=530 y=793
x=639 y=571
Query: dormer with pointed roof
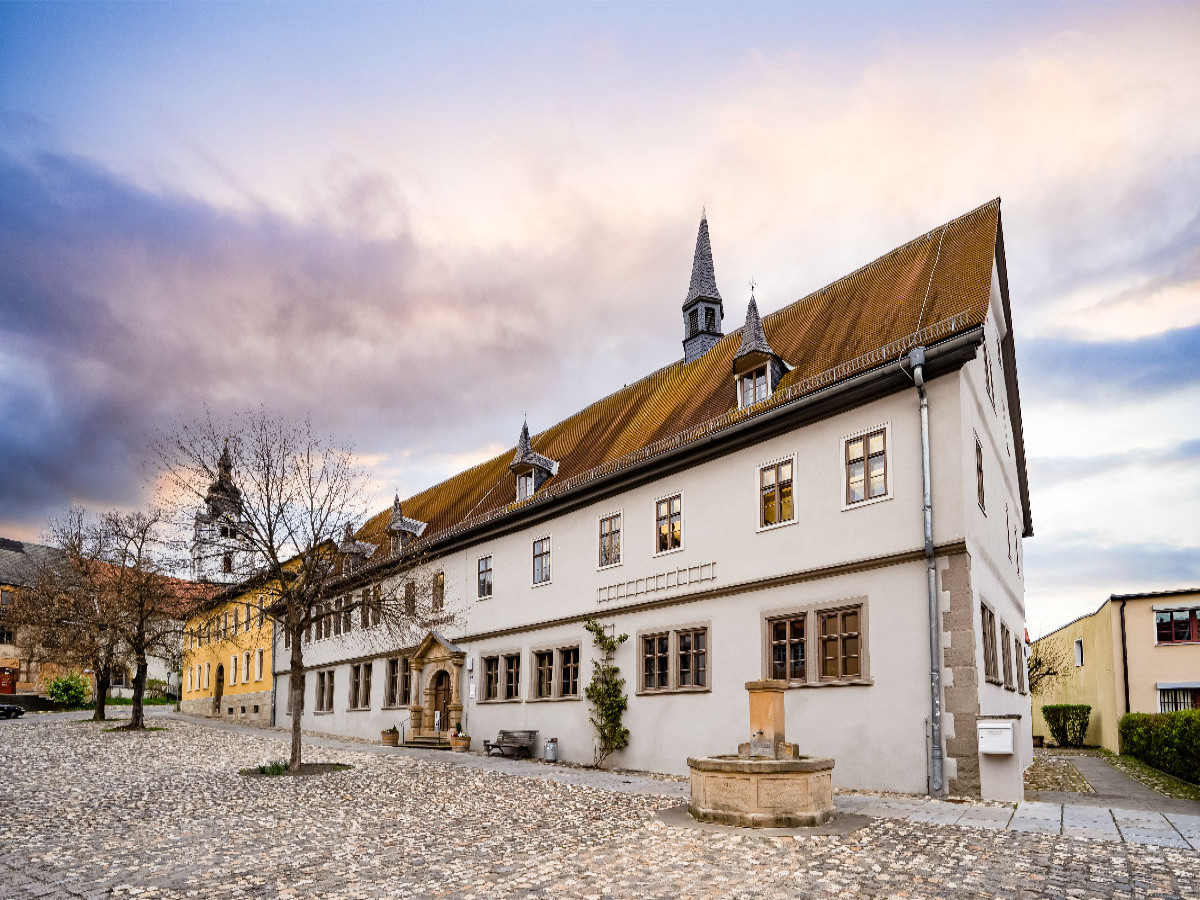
x=354 y=552
x=401 y=529
x=757 y=368
x=530 y=468
x=703 y=310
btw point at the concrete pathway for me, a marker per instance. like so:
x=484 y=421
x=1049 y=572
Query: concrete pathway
x=1127 y=816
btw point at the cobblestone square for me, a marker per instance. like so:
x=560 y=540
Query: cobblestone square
x=165 y=814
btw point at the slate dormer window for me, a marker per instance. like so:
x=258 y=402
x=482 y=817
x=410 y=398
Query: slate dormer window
x=754 y=386
x=525 y=486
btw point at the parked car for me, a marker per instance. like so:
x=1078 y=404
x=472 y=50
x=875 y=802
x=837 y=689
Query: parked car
x=8 y=711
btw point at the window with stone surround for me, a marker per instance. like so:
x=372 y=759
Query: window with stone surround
x=676 y=660
x=610 y=540
x=991 y=666
x=1019 y=662
x=439 y=591
x=789 y=648
x=668 y=520
x=840 y=643
x=568 y=665
x=543 y=664
x=491 y=678
x=258 y=664
x=398 y=684
x=512 y=676
x=360 y=686
x=1006 y=643
x=541 y=561
x=324 y=698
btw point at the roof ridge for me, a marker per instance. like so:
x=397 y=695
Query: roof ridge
x=926 y=236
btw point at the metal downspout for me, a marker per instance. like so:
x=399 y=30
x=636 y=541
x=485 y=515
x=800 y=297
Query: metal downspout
x=916 y=360
x=1124 y=657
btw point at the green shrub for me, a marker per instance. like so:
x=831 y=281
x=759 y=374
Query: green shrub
x=1167 y=741
x=156 y=689
x=71 y=689
x=1068 y=722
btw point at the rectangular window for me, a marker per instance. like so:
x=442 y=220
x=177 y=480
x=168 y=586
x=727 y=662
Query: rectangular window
x=1006 y=643
x=656 y=663
x=491 y=678
x=485 y=578
x=710 y=319
x=6 y=635
x=364 y=609
x=987 y=377
x=1178 y=699
x=397 y=687
x=189 y=687
x=543 y=662
x=324 y=691
x=1177 y=626
x=410 y=598
x=1019 y=661
x=693 y=322
x=610 y=540
x=753 y=387
x=775 y=494
x=1078 y=652
x=235 y=620
x=512 y=676
x=525 y=486
x=541 y=561
x=840 y=644
x=979 y=473
x=262 y=604
x=866 y=467
x=245 y=666
x=347 y=614
x=360 y=686
x=207 y=674
x=337 y=615
x=568 y=662
x=233 y=669
x=788 y=656
x=669 y=523
x=258 y=664
x=693 y=658
x=439 y=591
x=991 y=666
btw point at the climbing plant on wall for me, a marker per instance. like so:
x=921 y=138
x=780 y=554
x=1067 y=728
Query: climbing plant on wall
x=606 y=693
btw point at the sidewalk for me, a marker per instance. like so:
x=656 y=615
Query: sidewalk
x=1120 y=815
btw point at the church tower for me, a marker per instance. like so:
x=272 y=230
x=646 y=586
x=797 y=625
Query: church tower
x=703 y=310
x=220 y=551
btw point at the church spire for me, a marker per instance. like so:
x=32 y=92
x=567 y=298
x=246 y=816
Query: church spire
x=703 y=310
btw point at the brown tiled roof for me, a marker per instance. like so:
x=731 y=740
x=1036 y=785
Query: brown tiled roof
x=942 y=279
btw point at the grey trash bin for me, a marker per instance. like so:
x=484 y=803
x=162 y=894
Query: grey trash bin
x=550 y=750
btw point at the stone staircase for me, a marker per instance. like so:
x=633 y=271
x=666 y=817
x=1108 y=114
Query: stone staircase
x=428 y=742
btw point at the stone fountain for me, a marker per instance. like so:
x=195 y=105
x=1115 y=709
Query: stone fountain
x=768 y=784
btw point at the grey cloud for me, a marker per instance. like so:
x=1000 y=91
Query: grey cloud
x=1046 y=472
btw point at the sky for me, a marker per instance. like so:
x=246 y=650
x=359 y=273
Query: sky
x=417 y=223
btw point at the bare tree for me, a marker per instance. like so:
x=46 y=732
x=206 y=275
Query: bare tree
x=290 y=498
x=1047 y=663
x=104 y=601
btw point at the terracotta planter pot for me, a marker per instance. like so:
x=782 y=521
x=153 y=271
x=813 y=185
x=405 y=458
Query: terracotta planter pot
x=460 y=744
x=390 y=738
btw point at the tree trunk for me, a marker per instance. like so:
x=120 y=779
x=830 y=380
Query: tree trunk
x=296 y=696
x=103 y=683
x=137 y=721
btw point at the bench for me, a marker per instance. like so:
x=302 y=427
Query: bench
x=514 y=741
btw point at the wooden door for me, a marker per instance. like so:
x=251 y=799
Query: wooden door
x=441 y=699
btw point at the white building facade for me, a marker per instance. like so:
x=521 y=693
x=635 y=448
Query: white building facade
x=753 y=511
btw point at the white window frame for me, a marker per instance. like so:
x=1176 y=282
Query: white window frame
x=758 y=526
x=246 y=667
x=207 y=674
x=737 y=385
x=523 y=480
x=889 y=465
x=548 y=537
x=654 y=523
x=258 y=664
x=233 y=669
x=491 y=568
x=620 y=513
x=1078 y=648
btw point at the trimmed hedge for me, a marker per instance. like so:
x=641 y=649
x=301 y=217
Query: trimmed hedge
x=1068 y=722
x=1168 y=741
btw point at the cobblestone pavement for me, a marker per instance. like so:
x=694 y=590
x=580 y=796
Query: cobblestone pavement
x=85 y=813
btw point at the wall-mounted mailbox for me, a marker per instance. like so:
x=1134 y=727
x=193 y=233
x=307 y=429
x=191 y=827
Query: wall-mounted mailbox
x=995 y=736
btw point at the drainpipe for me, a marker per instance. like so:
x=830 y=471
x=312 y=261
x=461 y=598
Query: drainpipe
x=916 y=361
x=1124 y=657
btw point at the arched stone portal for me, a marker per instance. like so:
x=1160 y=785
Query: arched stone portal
x=437 y=675
x=218 y=690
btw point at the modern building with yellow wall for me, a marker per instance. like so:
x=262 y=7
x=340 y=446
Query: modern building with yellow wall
x=227 y=657
x=1136 y=653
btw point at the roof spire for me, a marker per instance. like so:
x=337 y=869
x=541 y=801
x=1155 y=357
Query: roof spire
x=754 y=339
x=704 y=278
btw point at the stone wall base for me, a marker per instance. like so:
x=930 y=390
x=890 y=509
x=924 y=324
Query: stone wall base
x=252 y=708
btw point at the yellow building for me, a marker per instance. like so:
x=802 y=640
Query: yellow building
x=1136 y=653
x=227 y=656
